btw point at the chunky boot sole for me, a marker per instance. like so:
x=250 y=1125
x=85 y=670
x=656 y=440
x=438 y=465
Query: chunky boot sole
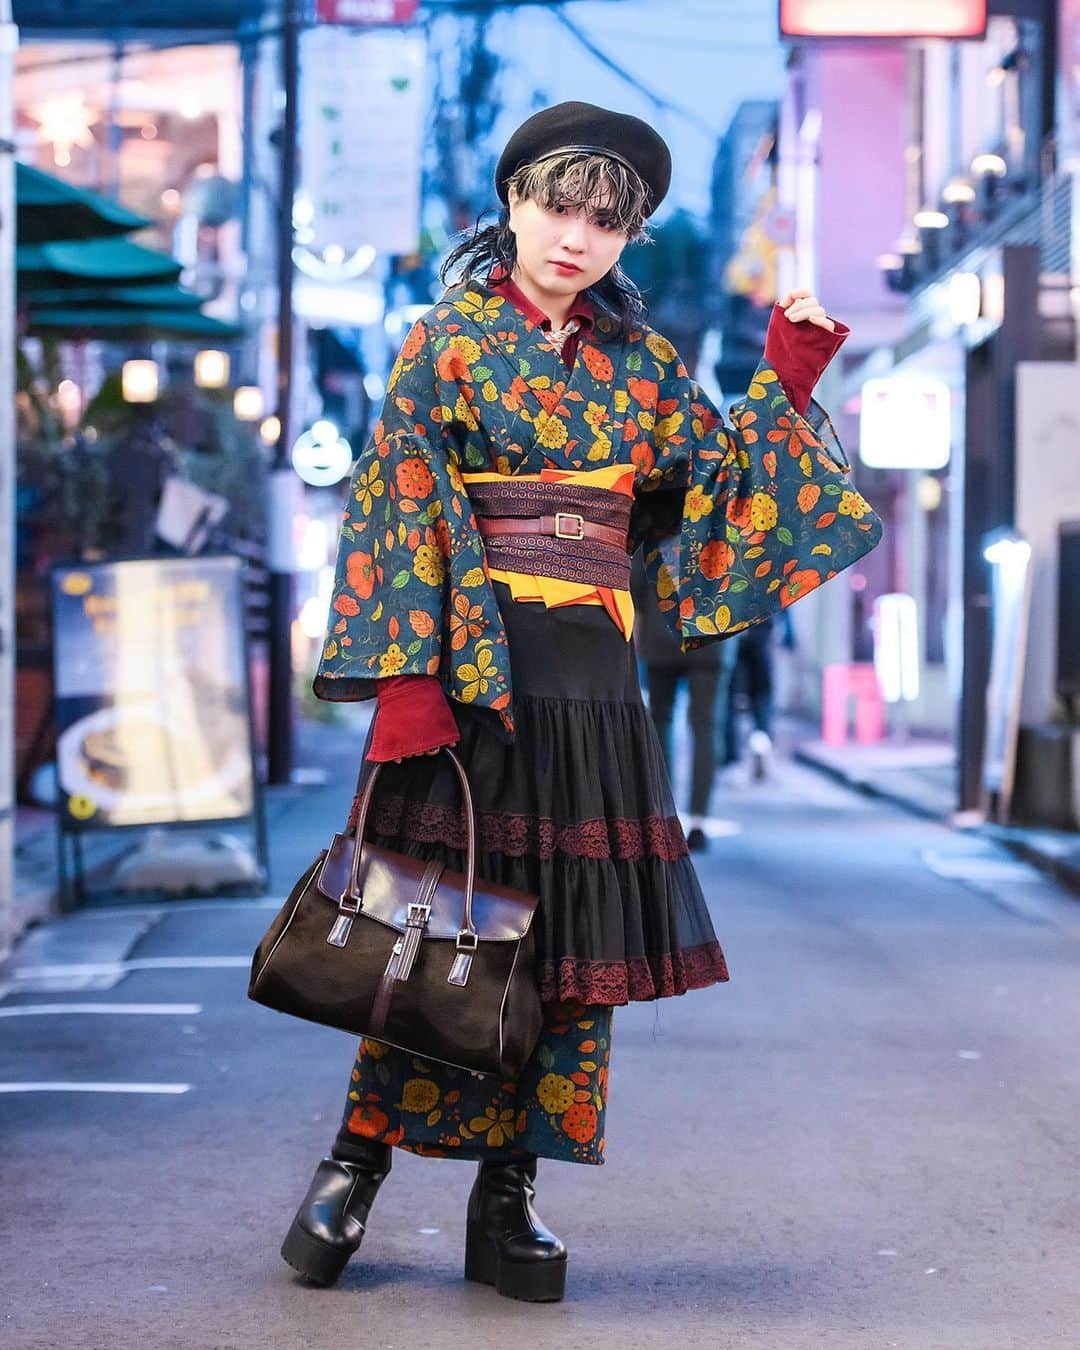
x=313 y=1258
x=531 y=1281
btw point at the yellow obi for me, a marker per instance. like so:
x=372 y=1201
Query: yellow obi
x=551 y=591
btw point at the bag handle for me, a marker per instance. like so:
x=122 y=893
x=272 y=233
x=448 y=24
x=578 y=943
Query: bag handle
x=468 y=927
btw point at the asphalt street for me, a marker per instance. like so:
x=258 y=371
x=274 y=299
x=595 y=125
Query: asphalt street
x=867 y=1139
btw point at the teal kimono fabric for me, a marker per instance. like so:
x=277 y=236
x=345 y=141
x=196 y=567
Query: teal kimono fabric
x=556 y=1108
x=737 y=521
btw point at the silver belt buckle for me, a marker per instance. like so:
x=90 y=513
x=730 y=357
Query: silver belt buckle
x=561 y=530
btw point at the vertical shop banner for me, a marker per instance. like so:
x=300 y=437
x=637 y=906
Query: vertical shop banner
x=1069 y=85
x=152 y=700
x=361 y=136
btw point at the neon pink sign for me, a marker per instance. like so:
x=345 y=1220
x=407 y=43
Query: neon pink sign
x=883 y=18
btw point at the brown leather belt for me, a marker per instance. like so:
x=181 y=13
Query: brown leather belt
x=561 y=525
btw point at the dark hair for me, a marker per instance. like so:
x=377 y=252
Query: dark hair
x=605 y=186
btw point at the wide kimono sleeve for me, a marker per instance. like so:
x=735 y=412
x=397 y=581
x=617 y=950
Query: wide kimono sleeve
x=741 y=521
x=411 y=589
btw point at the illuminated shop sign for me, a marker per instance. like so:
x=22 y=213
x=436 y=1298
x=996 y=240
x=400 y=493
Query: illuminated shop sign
x=883 y=18
x=905 y=422
x=366 y=11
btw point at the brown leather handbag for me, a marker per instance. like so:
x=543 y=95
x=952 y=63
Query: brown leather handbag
x=434 y=962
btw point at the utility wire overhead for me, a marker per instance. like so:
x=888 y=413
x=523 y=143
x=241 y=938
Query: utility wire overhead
x=657 y=100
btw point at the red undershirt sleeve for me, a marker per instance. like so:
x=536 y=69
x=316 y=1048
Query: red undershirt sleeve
x=799 y=353
x=413 y=716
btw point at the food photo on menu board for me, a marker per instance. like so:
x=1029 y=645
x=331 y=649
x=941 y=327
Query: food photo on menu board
x=152 y=704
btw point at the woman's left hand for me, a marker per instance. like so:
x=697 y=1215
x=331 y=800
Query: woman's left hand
x=801 y=305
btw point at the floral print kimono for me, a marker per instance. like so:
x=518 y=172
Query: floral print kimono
x=571 y=793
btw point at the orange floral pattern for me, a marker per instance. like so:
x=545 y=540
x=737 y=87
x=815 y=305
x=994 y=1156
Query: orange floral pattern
x=555 y=1108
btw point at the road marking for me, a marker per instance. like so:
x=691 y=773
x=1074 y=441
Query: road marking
x=130 y=1009
x=166 y=1089
x=978 y=867
x=137 y=963
x=181 y=907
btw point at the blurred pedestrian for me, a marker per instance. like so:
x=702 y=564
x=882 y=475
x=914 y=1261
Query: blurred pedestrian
x=535 y=430
x=753 y=676
x=706 y=673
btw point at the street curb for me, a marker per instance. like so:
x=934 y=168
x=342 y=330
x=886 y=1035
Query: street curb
x=867 y=787
x=32 y=907
x=1062 y=867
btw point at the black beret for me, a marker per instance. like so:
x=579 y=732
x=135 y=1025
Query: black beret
x=583 y=126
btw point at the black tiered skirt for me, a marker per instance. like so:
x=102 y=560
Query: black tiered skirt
x=577 y=809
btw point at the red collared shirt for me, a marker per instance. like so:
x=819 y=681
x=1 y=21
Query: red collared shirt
x=581 y=310
x=798 y=352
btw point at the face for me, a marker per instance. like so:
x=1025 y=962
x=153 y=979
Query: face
x=565 y=248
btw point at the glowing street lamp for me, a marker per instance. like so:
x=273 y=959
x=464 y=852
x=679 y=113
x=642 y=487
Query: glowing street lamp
x=65 y=121
x=211 y=369
x=989 y=166
x=139 y=381
x=957 y=192
x=248 y=403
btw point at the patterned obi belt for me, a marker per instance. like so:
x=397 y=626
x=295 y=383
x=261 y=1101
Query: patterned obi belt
x=559 y=537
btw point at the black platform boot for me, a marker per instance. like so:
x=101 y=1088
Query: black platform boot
x=506 y=1244
x=329 y=1225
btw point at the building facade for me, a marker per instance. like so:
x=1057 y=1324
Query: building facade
x=932 y=183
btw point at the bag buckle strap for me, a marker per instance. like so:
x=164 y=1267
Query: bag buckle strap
x=467 y=944
x=418 y=913
x=348 y=909
x=416 y=918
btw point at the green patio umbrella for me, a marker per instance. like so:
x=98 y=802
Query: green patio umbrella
x=76 y=323
x=100 y=287
x=116 y=297
x=48 y=209
x=65 y=263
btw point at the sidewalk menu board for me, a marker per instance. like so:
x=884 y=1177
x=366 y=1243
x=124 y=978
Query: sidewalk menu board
x=152 y=699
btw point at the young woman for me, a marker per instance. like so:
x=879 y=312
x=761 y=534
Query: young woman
x=535 y=432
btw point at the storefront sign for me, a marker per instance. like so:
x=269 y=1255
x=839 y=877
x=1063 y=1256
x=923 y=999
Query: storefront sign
x=905 y=422
x=366 y=11
x=1068 y=133
x=361 y=133
x=152 y=702
x=321 y=455
x=883 y=18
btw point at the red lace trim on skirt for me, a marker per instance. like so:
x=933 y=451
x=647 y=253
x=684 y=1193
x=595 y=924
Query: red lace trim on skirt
x=640 y=979
x=518 y=835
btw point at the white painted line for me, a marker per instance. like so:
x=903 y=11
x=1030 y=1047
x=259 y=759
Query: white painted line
x=167 y=1089
x=138 y=963
x=130 y=1009
x=189 y=907
x=188 y=962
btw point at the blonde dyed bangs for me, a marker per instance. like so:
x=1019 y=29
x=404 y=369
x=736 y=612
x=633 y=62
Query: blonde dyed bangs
x=610 y=190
